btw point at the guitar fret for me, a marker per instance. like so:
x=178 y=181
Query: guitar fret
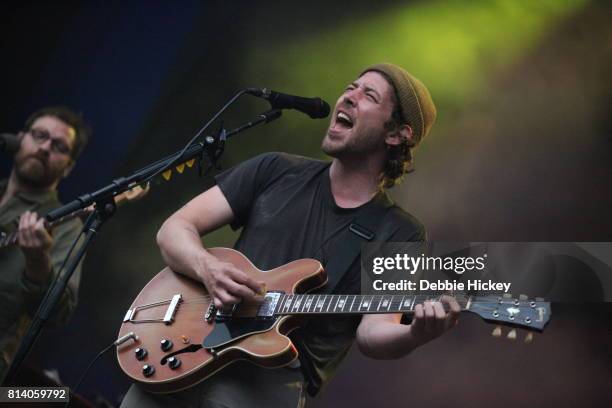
x=288 y=303
x=280 y=304
x=336 y=304
x=320 y=302
x=307 y=303
x=384 y=302
x=296 y=304
x=340 y=303
x=313 y=304
x=324 y=304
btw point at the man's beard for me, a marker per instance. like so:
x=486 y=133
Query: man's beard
x=361 y=144
x=34 y=171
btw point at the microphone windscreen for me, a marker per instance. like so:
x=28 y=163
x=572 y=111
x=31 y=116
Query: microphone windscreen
x=9 y=143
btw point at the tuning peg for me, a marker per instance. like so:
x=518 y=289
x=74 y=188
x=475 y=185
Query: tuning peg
x=523 y=297
x=190 y=163
x=539 y=299
x=529 y=338
x=512 y=334
x=507 y=295
x=180 y=168
x=497 y=332
x=167 y=174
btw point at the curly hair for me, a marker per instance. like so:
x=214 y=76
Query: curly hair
x=399 y=157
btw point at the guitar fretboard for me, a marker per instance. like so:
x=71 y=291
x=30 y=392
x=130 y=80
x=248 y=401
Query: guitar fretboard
x=10 y=238
x=351 y=304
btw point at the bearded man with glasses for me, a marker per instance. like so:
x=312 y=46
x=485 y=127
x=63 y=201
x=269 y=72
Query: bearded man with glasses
x=52 y=140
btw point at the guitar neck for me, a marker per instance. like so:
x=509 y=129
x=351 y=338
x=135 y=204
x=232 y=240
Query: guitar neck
x=10 y=239
x=135 y=192
x=321 y=304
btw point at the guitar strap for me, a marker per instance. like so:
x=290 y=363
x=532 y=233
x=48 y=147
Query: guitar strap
x=350 y=241
x=345 y=250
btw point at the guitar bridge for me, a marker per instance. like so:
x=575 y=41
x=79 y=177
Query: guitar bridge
x=210 y=312
x=168 y=316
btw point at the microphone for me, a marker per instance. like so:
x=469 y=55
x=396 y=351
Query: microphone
x=316 y=108
x=8 y=143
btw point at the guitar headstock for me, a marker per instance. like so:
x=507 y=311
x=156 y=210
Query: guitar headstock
x=521 y=312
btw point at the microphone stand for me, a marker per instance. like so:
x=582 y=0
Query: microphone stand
x=105 y=207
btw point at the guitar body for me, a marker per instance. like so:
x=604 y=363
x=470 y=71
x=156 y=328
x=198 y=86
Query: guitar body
x=172 y=337
x=262 y=341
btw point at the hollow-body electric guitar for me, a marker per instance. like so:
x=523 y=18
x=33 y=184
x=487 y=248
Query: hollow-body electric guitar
x=173 y=337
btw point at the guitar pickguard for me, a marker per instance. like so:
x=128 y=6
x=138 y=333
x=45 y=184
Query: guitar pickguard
x=230 y=330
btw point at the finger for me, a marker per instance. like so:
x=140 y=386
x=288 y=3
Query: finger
x=21 y=229
x=41 y=233
x=226 y=298
x=439 y=317
x=217 y=302
x=454 y=309
x=244 y=279
x=429 y=317
x=33 y=218
x=418 y=321
x=238 y=290
x=36 y=232
x=25 y=233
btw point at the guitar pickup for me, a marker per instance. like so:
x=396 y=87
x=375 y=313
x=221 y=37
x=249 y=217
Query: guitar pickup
x=268 y=306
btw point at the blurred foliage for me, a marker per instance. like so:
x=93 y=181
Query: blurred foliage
x=453 y=46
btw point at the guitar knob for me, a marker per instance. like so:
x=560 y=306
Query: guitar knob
x=174 y=363
x=166 y=345
x=148 y=370
x=140 y=353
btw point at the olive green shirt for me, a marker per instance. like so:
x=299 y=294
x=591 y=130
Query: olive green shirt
x=19 y=297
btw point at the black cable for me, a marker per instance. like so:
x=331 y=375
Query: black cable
x=91 y=363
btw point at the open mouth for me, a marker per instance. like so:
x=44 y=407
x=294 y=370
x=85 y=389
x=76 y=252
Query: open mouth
x=344 y=120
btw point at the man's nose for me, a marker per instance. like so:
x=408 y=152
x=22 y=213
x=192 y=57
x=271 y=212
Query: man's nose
x=46 y=146
x=349 y=98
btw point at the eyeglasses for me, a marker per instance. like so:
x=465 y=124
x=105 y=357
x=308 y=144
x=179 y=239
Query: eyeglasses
x=40 y=136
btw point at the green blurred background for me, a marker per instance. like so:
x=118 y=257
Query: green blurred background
x=521 y=151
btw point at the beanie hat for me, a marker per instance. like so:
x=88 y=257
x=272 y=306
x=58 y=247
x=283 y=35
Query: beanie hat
x=416 y=107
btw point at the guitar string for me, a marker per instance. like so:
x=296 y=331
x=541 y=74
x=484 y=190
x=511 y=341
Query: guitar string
x=374 y=298
x=419 y=297
x=253 y=308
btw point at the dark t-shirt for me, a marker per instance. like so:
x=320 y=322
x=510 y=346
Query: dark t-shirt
x=286 y=210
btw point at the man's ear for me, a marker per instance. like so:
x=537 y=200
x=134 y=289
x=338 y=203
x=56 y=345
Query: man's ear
x=402 y=132
x=68 y=169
